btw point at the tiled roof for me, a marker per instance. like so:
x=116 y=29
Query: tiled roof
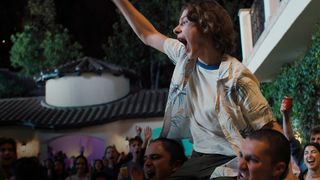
x=31 y=112
x=84 y=65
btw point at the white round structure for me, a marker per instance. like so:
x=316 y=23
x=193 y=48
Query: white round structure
x=86 y=90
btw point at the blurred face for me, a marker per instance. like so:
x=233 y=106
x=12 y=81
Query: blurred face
x=254 y=162
x=135 y=148
x=111 y=154
x=81 y=166
x=157 y=162
x=312 y=157
x=7 y=154
x=315 y=138
x=189 y=34
x=98 y=165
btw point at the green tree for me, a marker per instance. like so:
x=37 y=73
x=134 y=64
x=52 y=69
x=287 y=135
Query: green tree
x=124 y=47
x=43 y=43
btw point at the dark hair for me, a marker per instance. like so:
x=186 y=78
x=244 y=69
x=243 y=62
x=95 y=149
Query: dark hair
x=12 y=142
x=110 y=147
x=94 y=164
x=85 y=161
x=135 y=139
x=174 y=148
x=316 y=145
x=315 y=130
x=213 y=20
x=278 y=146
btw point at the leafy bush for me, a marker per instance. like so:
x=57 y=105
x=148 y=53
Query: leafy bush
x=301 y=81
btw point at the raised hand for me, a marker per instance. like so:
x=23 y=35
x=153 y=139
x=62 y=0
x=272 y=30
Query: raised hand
x=147 y=133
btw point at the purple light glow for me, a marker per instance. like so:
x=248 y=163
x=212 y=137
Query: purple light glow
x=92 y=147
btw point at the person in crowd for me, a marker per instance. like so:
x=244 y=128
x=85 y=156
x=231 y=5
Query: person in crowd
x=8 y=155
x=48 y=168
x=135 y=148
x=98 y=167
x=295 y=145
x=28 y=168
x=213 y=98
x=112 y=162
x=82 y=169
x=147 y=137
x=70 y=165
x=311 y=159
x=59 y=171
x=162 y=158
x=264 y=155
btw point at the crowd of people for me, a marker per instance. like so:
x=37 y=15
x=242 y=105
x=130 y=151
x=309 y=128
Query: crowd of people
x=157 y=161
x=264 y=154
x=214 y=100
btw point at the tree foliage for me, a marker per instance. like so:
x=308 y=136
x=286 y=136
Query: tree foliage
x=43 y=43
x=301 y=81
x=124 y=47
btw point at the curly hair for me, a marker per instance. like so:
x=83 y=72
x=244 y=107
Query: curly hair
x=213 y=20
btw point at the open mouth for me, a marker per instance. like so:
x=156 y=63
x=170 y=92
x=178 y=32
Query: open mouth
x=150 y=173
x=185 y=43
x=311 y=161
x=241 y=176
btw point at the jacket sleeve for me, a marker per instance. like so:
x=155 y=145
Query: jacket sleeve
x=254 y=107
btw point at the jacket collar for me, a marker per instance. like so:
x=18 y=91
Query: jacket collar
x=225 y=69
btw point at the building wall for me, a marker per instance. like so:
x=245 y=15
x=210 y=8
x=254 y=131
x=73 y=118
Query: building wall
x=114 y=133
x=87 y=89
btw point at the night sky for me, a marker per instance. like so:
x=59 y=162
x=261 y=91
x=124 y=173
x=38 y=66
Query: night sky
x=89 y=21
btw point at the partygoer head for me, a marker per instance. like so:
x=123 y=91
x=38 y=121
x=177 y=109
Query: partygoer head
x=111 y=153
x=203 y=19
x=311 y=156
x=315 y=134
x=163 y=157
x=135 y=145
x=264 y=154
x=81 y=164
x=8 y=151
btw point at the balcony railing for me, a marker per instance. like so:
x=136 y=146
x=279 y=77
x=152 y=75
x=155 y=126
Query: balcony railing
x=257 y=19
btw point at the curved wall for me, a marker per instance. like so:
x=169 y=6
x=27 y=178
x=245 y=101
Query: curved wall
x=85 y=90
